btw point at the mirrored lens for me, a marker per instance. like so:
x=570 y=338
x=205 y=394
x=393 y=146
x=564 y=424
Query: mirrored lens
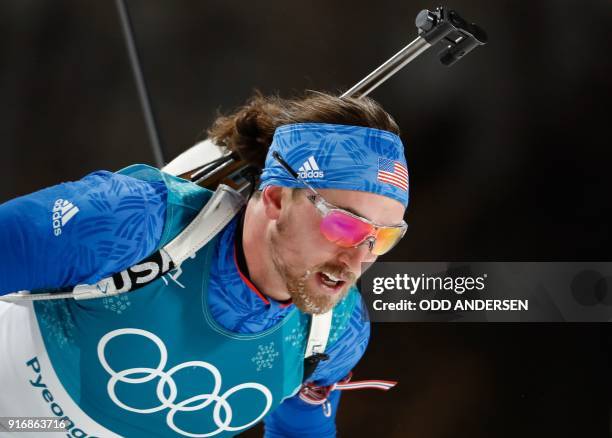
x=344 y=230
x=386 y=238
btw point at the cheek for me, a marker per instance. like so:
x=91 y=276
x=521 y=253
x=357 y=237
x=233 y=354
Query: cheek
x=302 y=242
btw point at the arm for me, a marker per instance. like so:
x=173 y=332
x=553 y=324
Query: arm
x=296 y=418
x=78 y=232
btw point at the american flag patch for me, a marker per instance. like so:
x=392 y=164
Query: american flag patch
x=393 y=172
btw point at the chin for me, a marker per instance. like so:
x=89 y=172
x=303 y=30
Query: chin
x=317 y=300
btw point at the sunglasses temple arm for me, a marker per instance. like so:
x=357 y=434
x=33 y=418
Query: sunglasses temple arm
x=283 y=163
x=293 y=173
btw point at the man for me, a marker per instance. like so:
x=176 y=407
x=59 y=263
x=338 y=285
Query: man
x=217 y=344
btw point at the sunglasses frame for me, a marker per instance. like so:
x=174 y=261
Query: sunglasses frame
x=325 y=208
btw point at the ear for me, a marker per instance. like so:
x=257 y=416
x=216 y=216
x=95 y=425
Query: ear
x=272 y=198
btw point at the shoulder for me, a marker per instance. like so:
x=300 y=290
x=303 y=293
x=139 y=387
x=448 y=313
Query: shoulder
x=98 y=194
x=81 y=231
x=184 y=199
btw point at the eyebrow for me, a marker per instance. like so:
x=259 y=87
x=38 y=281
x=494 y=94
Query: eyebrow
x=343 y=207
x=355 y=212
x=351 y=210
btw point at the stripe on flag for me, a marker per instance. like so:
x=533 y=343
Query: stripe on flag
x=392 y=172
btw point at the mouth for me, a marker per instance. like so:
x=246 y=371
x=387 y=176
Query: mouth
x=329 y=283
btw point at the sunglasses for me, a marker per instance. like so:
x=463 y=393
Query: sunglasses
x=346 y=229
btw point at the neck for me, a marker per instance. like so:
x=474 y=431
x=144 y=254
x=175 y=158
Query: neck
x=256 y=246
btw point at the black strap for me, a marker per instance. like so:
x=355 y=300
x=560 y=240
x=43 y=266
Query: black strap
x=240 y=258
x=310 y=364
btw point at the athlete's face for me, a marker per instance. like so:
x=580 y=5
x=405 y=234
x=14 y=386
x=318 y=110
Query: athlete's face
x=317 y=272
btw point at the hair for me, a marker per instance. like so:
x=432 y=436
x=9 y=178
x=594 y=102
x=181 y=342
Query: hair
x=249 y=130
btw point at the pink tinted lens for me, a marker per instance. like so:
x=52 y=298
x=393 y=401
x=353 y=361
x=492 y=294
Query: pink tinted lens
x=344 y=230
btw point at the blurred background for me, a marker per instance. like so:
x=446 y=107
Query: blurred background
x=508 y=151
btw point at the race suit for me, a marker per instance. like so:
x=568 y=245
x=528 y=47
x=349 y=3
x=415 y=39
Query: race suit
x=198 y=352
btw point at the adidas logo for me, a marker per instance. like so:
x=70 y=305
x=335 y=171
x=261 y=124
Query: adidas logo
x=63 y=211
x=310 y=169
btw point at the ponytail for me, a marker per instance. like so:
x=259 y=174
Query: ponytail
x=249 y=130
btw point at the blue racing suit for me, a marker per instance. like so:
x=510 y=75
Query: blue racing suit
x=83 y=231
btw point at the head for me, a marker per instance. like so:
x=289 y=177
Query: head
x=291 y=254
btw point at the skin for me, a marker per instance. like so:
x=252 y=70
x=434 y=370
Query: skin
x=284 y=247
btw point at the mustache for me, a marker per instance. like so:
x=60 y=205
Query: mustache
x=337 y=270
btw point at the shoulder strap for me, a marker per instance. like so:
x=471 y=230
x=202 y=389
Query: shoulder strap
x=320 y=326
x=213 y=217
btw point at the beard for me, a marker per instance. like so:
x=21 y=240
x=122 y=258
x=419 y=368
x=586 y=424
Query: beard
x=307 y=298
x=305 y=294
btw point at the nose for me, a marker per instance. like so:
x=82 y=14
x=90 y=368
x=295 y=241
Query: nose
x=354 y=257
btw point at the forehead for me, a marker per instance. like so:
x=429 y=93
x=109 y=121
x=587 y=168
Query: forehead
x=377 y=208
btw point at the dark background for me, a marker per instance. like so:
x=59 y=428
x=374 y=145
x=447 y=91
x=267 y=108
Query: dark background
x=508 y=153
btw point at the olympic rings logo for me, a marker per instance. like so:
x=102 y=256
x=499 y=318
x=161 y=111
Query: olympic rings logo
x=167 y=385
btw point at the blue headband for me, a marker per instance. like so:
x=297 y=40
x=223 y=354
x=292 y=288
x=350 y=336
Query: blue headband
x=339 y=157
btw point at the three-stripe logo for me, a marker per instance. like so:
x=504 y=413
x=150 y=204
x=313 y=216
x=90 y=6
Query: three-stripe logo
x=310 y=169
x=63 y=211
